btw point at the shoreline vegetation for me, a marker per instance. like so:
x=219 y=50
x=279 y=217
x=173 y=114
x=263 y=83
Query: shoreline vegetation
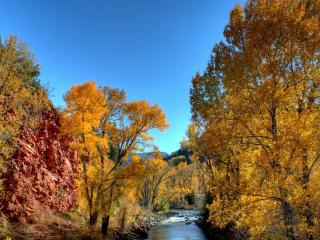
x=251 y=157
x=68 y=226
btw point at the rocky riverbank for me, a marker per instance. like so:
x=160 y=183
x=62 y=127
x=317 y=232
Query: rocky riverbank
x=140 y=228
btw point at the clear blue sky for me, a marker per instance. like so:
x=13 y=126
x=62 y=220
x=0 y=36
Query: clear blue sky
x=150 y=48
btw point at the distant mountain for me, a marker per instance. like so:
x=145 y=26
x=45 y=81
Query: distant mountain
x=175 y=158
x=146 y=156
x=181 y=155
x=182 y=152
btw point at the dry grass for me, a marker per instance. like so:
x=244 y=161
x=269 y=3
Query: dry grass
x=50 y=226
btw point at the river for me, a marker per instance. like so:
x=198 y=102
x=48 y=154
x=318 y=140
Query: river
x=178 y=226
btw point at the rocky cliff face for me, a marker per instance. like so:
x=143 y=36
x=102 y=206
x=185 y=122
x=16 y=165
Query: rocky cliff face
x=41 y=174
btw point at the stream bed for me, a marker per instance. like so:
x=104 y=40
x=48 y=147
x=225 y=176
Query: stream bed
x=178 y=226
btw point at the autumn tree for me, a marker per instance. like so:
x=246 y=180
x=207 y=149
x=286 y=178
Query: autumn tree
x=127 y=124
x=85 y=107
x=256 y=115
x=184 y=180
x=107 y=130
x=184 y=183
x=154 y=191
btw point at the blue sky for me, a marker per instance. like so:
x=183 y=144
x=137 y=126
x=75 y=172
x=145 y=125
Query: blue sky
x=149 y=48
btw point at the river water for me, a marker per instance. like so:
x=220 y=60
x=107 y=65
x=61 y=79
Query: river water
x=178 y=226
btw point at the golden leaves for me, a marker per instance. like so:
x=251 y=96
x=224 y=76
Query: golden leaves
x=107 y=130
x=260 y=136
x=85 y=107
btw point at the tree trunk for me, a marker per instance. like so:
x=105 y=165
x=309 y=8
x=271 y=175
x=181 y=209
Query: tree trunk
x=289 y=219
x=105 y=225
x=123 y=218
x=93 y=218
x=106 y=218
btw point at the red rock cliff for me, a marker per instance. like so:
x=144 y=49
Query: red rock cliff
x=41 y=174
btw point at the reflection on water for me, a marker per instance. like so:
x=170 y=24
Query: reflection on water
x=176 y=228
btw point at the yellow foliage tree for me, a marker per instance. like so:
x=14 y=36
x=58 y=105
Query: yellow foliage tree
x=127 y=124
x=155 y=193
x=85 y=107
x=256 y=115
x=107 y=131
x=184 y=183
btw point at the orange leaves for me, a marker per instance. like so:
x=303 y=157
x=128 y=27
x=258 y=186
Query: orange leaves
x=85 y=107
x=260 y=135
x=107 y=130
x=145 y=116
x=130 y=122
